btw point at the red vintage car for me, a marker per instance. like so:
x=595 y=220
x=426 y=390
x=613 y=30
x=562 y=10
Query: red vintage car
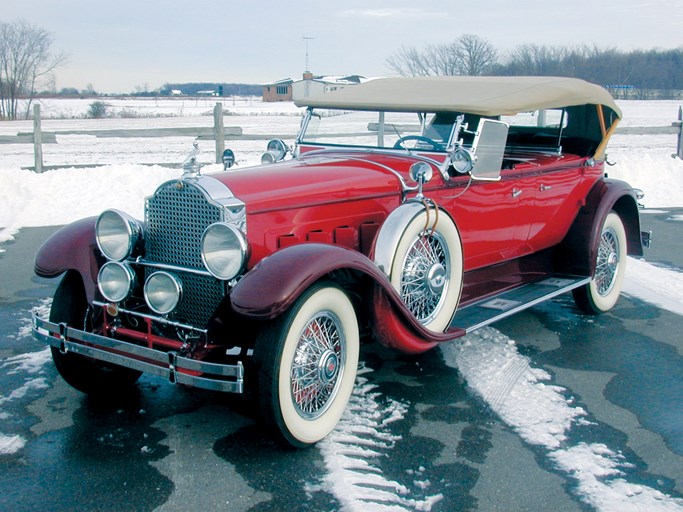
x=412 y=209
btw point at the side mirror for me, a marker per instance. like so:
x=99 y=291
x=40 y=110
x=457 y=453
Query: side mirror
x=488 y=149
x=228 y=159
x=420 y=173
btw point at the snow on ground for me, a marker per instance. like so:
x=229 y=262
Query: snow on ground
x=349 y=452
x=543 y=415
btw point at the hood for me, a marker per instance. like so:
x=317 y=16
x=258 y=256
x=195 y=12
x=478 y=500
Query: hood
x=316 y=180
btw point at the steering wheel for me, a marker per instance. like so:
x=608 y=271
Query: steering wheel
x=435 y=146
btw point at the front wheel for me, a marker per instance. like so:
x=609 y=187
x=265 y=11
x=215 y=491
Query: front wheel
x=602 y=292
x=83 y=373
x=307 y=361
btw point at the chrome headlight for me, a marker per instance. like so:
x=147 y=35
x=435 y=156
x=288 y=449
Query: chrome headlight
x=117 y=234
x=115 y=281
x=224 y=250
x=162 y=292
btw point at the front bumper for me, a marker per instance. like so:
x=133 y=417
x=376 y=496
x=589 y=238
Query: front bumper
x=176 y=368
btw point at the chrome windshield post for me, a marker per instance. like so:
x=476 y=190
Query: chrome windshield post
x=304 y=125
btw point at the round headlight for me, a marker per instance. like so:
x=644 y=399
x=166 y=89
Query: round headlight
x=162 y=292
x=462 y=161
x=117 y=234
x=115 y=281
x=224 y=250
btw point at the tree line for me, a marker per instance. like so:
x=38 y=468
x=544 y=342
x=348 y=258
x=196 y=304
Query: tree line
x=472 y=55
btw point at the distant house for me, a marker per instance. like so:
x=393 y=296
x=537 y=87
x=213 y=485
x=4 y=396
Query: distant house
x=278 y=91
x=311 y=85
x=288 y=89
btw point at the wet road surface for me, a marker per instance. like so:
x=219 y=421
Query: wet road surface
x=418 y=435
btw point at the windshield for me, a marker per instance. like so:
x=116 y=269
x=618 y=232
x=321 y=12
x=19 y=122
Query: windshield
x=381 y=130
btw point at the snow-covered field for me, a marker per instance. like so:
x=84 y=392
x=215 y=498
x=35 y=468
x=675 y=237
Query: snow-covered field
x=540 y=413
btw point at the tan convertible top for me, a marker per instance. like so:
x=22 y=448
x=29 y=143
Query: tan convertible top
x=480 y=95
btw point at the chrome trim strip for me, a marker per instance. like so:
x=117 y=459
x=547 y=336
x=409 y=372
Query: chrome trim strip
x=154 y=318
x=172 y=268
x=73 y=340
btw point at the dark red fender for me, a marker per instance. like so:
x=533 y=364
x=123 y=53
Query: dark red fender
x=275 y=282
x=72 y=247
x=605 y=196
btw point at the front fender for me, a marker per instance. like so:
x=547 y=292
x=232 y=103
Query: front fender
x=72 y=247
x=277 y=281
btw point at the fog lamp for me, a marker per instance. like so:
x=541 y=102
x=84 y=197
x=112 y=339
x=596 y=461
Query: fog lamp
x=162 y=292
x=115 y=281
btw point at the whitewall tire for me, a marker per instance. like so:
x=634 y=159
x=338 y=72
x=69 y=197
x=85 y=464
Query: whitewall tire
x=307 y=361
x=603 y=291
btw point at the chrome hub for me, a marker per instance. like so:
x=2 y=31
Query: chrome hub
x=436 y=278
x=328 y=366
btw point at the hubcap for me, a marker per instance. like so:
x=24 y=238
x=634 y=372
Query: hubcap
x=328 y=366
x=424 y=280
x=607 y=263
x=318 y=365
x=436 y=278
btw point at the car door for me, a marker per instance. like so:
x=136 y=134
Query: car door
x=559 y=188
x=493 y=216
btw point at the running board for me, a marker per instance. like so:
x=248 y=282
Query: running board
x=489 y=310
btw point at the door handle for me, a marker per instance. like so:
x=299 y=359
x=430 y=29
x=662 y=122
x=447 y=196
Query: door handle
x=516 y=193
x=545 y=187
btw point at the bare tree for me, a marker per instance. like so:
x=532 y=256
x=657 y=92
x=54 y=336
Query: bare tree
x=24 y=58
x=408 y=62
x=476 y=56
x=467 y=55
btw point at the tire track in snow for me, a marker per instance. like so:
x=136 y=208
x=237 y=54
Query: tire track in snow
x=542 y=415
x=351 y=451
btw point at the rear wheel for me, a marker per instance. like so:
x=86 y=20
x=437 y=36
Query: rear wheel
x=83 y=373
x=602 y=292
x=307 y=361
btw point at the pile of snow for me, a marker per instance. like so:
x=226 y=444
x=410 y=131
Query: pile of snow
x=659 y=176
x=58 y=197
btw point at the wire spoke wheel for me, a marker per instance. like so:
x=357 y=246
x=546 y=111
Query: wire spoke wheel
x=427 y=268
x=608 y=262
x=318 y=364
x=425 y=276
x=602 y=293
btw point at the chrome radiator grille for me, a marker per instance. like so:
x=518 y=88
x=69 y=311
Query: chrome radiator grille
x=176 y=216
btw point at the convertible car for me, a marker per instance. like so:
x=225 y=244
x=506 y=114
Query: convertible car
x=408 y=210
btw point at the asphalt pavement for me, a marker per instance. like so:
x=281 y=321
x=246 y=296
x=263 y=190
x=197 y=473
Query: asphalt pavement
x=417 y=436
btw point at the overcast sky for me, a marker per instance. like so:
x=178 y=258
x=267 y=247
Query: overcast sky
x=119 y=46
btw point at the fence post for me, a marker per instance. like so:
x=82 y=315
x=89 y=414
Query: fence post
x=218 y=133
x=37 y=140
x=679 y=149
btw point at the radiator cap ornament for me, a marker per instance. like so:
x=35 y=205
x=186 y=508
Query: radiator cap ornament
x=191 y=168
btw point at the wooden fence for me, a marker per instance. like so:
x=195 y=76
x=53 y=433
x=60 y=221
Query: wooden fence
x=220 y=133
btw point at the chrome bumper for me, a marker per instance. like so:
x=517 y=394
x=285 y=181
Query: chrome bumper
x=170 y=365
